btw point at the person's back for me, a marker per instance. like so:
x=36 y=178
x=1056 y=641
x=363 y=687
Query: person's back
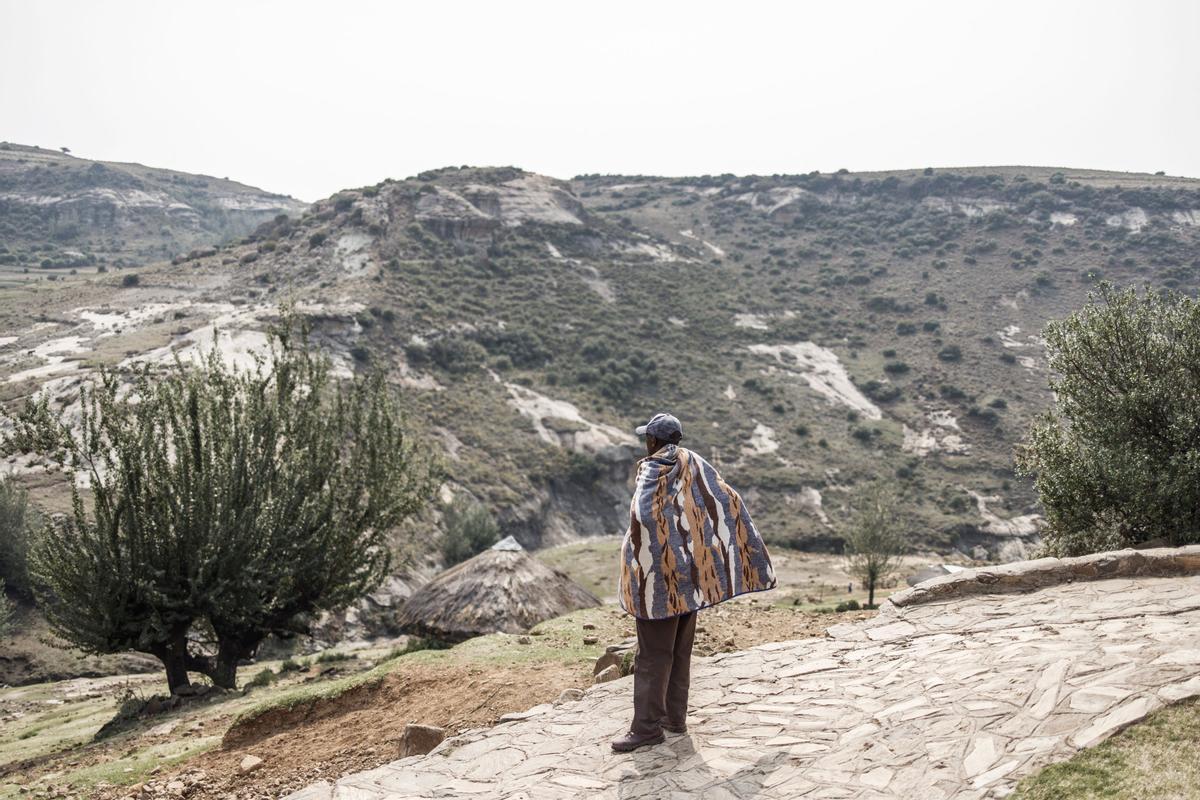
x=690 y=544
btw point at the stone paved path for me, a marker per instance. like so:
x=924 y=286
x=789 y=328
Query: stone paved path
x=955 y=698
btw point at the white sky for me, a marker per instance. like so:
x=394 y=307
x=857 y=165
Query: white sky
x=307 y=98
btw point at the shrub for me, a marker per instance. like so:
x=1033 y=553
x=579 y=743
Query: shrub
x=895 y=368
x=264 y=677
x=456 y=354
x=950 y=352
x=130 y=280
x=18 y=521
x=1116 y=461
x=949 y=391
x=317 y=239
x=881 y=392
x=469 y=529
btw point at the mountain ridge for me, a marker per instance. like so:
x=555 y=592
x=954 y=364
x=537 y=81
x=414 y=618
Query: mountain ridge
x=813 y=331
x=59 y=211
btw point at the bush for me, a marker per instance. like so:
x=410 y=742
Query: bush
x=1116 y=461
x=950 y=352
x=264 y=677
x=18 y=521
x=130 y=281
x=881 y=392
x=469 y=529
x=456 y=354
x=949 y=391
x=317 y=239
x=895 y=368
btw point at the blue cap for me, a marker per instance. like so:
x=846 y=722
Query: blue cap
x=661 y=427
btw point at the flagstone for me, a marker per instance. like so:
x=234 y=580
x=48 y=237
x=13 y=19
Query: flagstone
x=959 y=697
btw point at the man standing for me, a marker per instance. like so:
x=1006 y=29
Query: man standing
x=690 y=545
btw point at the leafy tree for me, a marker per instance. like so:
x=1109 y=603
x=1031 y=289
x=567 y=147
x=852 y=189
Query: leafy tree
x=1116 y=461
x=17 y=523
x=6 y=610
x=873 y=541
x=470 y=529
x=240 y=499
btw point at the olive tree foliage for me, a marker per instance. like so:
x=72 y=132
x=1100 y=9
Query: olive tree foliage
x=1116 y=460
x=18 y=521
x=469 y=529
x=874 y=542
x=238 y=501
x=6 y=611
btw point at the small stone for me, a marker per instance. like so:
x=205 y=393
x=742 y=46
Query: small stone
x=591 y=640
x=417 y=740
x=175 y=787
x=523 y=640
x=569 y=696
x=609 y=673
x=589 y=626
x=249 y=764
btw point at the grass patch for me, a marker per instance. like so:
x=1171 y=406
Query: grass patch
x=1157 y=758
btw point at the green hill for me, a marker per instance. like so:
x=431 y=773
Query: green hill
x=812 y=331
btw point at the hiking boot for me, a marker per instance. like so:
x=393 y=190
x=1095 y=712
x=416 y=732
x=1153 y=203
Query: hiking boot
x=632 y=741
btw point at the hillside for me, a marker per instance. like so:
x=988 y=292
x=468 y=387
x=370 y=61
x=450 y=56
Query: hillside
x=59 y=212
x=812 y=331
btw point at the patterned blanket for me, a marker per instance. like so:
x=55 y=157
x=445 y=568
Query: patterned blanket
x=690 y=543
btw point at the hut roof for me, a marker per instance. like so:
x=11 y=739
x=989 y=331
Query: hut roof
x=501 y=589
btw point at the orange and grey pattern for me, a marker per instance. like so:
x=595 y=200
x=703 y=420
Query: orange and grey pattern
x=690 y=543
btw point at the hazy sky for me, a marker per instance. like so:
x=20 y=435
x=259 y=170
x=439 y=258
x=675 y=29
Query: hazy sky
x=306 y=98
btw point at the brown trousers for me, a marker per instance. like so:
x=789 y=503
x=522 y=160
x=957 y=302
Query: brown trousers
x=662 y=672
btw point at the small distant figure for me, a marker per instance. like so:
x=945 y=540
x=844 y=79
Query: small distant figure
x=849 y=588
x=66 y=150
x=690 y=545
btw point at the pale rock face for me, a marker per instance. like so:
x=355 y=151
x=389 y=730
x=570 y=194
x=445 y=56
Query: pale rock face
x=762 y=441
x=755 y=322
x=716 y=251
x=583 y=435
x=967 y=207
x=1134 y=219
x=353 y=255
x=1063 y=218
x=823 y=372
x=1026 y=525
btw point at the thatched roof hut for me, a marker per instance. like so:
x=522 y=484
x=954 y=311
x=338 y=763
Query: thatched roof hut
x=501 y=589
